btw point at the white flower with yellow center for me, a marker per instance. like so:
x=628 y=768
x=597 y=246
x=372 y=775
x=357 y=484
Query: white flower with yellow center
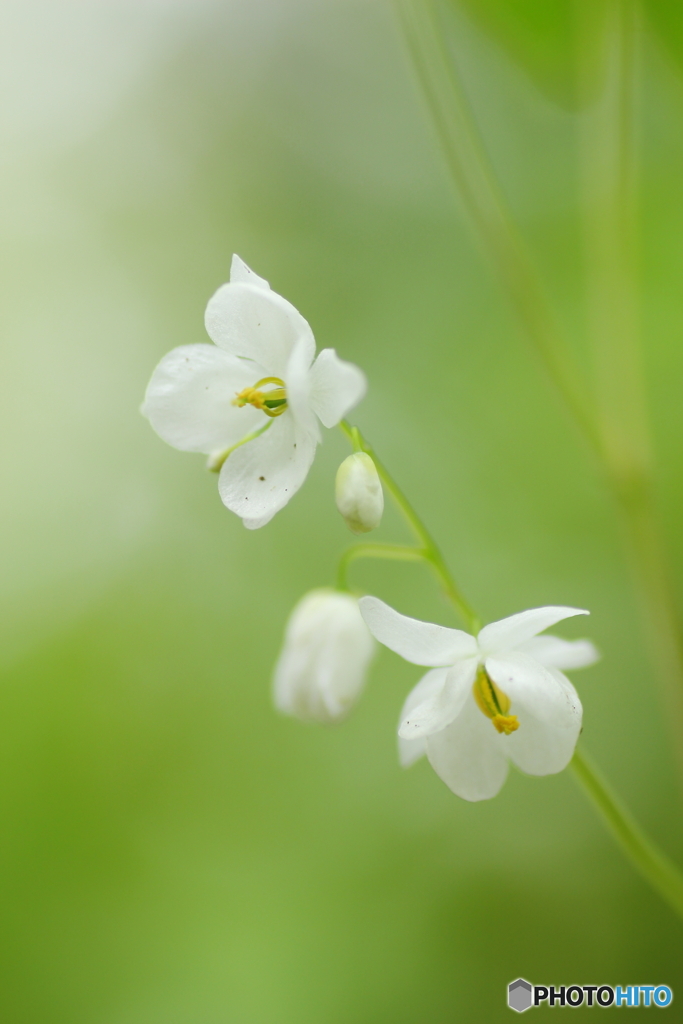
x=253 y=401
x=488 y=700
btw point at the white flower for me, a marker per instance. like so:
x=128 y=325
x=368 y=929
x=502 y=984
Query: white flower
x=358 y=493
x=321 y=669
x=497 y=697
x=259 y=374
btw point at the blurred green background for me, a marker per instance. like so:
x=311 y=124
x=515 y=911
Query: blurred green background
x=173 y=851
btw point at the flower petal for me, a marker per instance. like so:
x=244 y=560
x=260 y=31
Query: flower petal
x=298 y=378
x=259 y=478
x=422 y=643
x=508 y=633
x=546 y=747
x=552 y=651
x=534 y=688
x=410 y=750
x=442 y=704
x=254 y=323
x=468 y=755
x=336 y=387
x=240 y=273
x=189 y=399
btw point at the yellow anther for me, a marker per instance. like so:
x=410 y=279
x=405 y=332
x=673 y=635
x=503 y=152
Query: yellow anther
x=272 y=403
x=493 y=703
x=249 y=396
x=505 y=723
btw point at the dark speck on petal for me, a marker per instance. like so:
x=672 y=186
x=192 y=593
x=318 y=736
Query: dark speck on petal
x=262 y=478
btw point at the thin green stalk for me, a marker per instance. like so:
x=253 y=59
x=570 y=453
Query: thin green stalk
x=485 y=205
x=609 y=161
x=431 y=552
x=645 y=857
x=214 y=463
x=652 y=864
x=391 y=552
x=619 y=435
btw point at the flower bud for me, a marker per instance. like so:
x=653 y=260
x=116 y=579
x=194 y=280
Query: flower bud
x=321 y=669
x=358 y=493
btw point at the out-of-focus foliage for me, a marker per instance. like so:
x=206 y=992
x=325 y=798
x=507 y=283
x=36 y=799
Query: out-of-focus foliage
x=173 y=851
x=542 y=36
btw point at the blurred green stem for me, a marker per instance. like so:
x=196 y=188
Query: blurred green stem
x=485 y=204
x=609 y=174
x=618 y=434
x=652 y=864
x=427 y=550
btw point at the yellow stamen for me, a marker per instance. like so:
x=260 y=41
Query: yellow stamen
x=505 y=723
x=272 y=403
x=493 y=703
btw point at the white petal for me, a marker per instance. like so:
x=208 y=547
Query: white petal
x=442 y=705
x=410 y=750
x=298 y=380
x=256 y=324
x=259 y=478
x=545 y=747
x=552 y=651
x=189 y=399
x=240 y=273
x=468 y=755
x=336 y=387
x=534 y=688
x=508 y=633
x=421 y=643
x=322 y=667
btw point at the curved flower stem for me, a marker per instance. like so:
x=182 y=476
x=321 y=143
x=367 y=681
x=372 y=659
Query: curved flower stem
x=214 y=463
x=652 y=864
x=392 y=552
x=428 y=547
x=645 y=857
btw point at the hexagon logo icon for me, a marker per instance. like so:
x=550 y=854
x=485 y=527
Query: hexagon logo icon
x=520 y=995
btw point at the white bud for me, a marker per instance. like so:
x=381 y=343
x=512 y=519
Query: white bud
x=358 y=493
x=321 y=669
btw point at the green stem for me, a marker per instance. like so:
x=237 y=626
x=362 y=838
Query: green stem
x=619 y=435
x=480 y=192
x=609 y=161
x=430 y=551
x=214 y=463
x=652 y=864
x=392 y=552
